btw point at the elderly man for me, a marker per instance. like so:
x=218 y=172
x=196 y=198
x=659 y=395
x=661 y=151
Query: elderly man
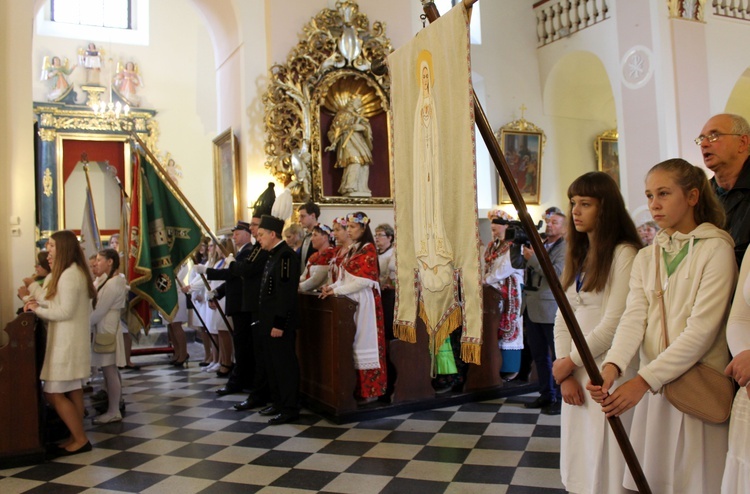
x=725 y=145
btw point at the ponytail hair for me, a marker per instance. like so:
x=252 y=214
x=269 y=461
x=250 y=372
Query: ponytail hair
x=111 y=255
x=689 y=177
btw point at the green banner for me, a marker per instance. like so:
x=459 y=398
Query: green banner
x=165 y=237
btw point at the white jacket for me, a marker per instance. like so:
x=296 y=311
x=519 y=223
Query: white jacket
x=697 y=300
x=738 y=326
x=68 y=354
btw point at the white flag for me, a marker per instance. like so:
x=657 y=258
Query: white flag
x=91 y=242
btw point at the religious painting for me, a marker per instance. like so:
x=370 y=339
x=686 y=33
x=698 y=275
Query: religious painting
x=607 y=154
x=353 y=154
x=522 y=144
x=226 y=182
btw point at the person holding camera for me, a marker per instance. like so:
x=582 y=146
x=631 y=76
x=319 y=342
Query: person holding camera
x=539 y=312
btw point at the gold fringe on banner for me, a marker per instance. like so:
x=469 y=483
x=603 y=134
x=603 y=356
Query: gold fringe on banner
x=405 y=332
x=471 y=353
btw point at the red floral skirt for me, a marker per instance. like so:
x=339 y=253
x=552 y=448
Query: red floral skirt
x=373 y=382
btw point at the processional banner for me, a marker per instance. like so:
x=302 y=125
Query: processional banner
x=162 y=236
x=434 y=181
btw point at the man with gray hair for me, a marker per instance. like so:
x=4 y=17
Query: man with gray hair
x=725 y=145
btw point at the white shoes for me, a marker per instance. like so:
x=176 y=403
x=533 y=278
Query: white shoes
x=106 y=419
x=212 y=368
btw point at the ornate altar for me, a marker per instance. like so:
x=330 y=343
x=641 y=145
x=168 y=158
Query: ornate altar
x=327 y=111
x=64 y=133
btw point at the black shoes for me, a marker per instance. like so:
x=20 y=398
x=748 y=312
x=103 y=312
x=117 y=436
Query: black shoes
x=58 y=452
x=553 y=408
x=538 y=403
x=227 y=390
x=284 y=418
x=270 y=411
x=248 y=404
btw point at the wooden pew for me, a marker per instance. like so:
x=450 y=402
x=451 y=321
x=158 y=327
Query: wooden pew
x=487 y=375
x=21 y=355
x=324 y=347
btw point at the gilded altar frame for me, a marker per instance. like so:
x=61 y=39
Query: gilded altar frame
x=522 y=143
x=332 y=63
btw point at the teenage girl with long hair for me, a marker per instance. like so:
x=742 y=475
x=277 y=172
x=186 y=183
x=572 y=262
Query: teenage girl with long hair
x=679 y=453
x=602 y=242
x=112 y=294
x=66 y=304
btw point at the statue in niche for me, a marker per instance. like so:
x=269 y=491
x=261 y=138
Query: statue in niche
x=126 y=82
x=91 y=60
x=57 y=71
x=351 y=137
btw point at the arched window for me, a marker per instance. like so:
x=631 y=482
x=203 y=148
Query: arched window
x=111 y=21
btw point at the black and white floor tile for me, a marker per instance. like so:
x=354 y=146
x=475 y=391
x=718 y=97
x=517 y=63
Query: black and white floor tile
x=179 y=436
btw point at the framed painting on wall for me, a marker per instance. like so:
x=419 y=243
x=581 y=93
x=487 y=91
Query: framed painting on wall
x=607 y=154
x=522 y=143
x=226 y=181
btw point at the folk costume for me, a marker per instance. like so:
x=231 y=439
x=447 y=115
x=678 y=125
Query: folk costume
x=316 y=272
x=358 y=280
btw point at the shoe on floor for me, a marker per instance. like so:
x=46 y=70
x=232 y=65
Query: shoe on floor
x=106 y=419
x=284 y=418
x=538 y=403
x=270 y=411
x=64 y=452
x=552 y=409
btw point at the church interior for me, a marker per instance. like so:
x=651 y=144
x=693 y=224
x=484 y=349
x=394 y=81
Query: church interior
x=231 y=95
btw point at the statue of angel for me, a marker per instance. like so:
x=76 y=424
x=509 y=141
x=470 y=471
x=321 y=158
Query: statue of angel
x=57 y=71
x=126 y=82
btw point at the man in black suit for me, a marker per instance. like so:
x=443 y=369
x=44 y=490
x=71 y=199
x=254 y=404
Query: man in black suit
x=241 y=376
x=279 y=320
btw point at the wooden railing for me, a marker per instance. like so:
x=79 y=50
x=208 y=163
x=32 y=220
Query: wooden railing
x=735 y=9
x=556 y=19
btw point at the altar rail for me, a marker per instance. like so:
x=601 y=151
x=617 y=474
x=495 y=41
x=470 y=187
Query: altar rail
x=556 y=19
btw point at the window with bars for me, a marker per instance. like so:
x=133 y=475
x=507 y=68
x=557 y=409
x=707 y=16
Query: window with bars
x=115 y=14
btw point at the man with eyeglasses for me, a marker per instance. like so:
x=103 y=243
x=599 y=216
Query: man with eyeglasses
x=725 y=145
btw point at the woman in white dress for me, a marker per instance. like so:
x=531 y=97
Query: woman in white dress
x=65 y=302
x=737 y=469
x=678 y=452
x=602 y=242
x=112 y=294
x=216 y=325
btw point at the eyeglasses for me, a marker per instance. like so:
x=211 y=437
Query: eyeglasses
x=712 y=137
x=381 y=235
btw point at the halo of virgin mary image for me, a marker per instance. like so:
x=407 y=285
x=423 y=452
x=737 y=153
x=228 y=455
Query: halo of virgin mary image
x=433 y=248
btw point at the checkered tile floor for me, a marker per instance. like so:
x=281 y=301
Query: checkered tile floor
x=179 y=436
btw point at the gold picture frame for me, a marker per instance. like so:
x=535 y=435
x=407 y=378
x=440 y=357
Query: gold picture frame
x=226 y=181
x=522 y=143
x=607 y=154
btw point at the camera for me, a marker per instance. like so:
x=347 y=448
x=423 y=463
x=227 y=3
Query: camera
x=516 y=233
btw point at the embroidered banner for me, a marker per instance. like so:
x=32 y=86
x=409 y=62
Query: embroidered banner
x=437 y=236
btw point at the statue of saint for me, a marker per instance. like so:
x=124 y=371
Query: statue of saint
x=351 y=136
x=126 y=82
x=91 y=60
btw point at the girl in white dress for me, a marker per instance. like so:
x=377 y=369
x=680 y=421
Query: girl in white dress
x=602 y=243
x=65 y=302
x=737 y=469
x=679 y=453
x=112 y=293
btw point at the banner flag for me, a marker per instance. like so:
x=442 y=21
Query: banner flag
x=162 y=236
x=91 y=241
x=434 y=182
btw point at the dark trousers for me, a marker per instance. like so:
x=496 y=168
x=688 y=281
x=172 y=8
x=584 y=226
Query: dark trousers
x=259 y=391
x=283 y=370
x=542 y=345
x=244 y=358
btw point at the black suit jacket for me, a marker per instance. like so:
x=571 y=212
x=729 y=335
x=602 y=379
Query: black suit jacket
x=278 y=290
x=250 y=269
x=232 y=287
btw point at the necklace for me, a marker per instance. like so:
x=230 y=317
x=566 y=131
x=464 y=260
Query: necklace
x=579 y=283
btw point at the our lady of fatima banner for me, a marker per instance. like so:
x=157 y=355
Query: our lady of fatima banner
x=437 y=235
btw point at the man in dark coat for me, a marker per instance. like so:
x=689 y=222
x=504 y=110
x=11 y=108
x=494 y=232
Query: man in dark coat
x=279 y=320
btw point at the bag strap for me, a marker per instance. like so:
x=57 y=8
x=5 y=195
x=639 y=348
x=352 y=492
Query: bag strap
x=660 y=294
